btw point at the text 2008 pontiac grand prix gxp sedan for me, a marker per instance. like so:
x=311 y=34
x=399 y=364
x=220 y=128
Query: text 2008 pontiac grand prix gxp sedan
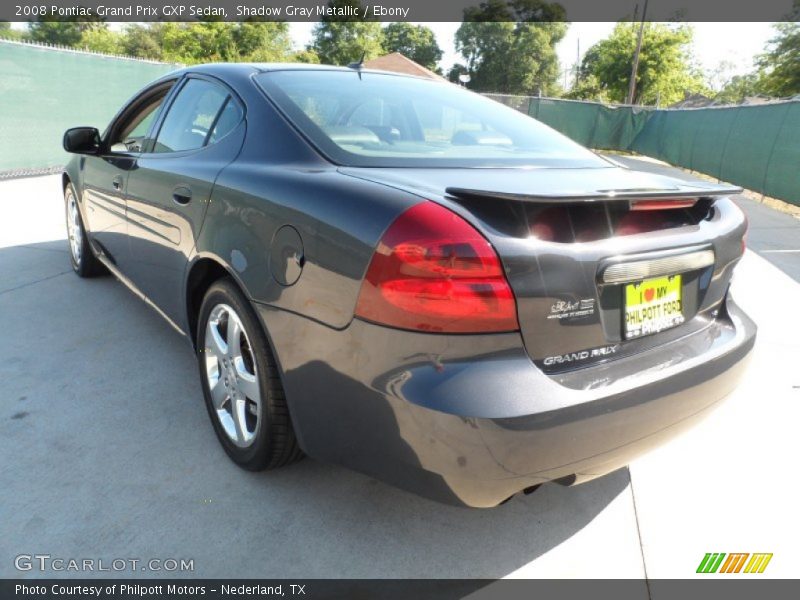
x=406 y=278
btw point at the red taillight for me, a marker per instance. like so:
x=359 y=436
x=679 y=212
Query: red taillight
x=432 y=271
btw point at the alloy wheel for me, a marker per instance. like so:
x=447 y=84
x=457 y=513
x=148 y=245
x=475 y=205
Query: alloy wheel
x=74 y=229
x=231 y=375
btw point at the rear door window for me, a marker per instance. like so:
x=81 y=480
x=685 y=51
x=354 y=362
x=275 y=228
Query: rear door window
x=228 y=119
x=192 y=119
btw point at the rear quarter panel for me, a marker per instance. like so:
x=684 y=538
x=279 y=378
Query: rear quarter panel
x=340 y=220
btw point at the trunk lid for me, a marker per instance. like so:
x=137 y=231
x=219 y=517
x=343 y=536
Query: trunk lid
x=558 y=231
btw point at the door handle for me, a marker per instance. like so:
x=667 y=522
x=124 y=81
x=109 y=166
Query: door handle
x=182 y=195
x=116 y=183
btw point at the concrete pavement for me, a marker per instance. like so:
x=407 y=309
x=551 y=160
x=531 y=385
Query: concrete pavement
x=108 y=453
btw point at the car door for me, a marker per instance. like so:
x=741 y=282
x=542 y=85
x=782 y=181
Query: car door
x=201 y=131
x=105 y=176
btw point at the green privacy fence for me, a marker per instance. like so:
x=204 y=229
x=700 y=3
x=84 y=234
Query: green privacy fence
x=44 y=91
x=756 y=146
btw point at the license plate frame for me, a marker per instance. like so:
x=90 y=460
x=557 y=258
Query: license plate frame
x=651 y=306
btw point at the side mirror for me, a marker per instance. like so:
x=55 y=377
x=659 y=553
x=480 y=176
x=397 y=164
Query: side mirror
x=82 y=140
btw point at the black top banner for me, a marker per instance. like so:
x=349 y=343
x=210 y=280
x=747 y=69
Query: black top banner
x=400 y=10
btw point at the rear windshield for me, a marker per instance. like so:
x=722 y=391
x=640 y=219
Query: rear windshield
x=381 y=120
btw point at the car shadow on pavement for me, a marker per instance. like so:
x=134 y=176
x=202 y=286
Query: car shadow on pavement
x=113 y=456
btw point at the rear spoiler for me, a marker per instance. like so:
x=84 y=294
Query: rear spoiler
x=664 y=194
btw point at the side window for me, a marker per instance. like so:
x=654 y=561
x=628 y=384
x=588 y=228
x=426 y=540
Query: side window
x=227 y=121
x=142 y=127
x=191 y=117
x=130 y=136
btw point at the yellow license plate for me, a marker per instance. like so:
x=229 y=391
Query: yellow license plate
x=652 y=306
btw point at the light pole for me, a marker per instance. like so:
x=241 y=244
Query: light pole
x=635 y=68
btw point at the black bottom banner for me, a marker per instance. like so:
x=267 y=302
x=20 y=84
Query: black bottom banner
x=412 y=589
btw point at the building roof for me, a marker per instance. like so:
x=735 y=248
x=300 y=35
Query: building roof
x=397 y=63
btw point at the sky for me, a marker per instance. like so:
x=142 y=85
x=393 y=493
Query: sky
x=736 y=43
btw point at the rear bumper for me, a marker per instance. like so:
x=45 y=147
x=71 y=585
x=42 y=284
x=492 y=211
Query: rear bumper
x=471 y=420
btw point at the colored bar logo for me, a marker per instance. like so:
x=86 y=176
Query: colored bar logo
x=716 y=562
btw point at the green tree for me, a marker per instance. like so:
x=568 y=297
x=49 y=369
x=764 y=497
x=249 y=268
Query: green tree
x=741 y=86
x=304 y=56
x=101 y=39
x=511 y=47
x=62 y=32
x=782 y=61
x=416 y=42
x=7 y=33
x=192 y=43
x=456 y=71
x=589 y=88
x=262 y=41
x=665 y=70
x=142 y=41
x=342 y=40
x=212 y=41
x=187 y=43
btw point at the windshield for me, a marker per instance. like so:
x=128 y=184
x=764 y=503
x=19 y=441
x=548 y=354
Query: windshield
x=382 y=120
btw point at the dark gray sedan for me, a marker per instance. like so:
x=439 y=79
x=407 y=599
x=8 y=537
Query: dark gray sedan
x=408 y=279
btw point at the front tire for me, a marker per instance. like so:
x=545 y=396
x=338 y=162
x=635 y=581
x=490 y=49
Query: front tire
x=83 y=260
x=241 y=383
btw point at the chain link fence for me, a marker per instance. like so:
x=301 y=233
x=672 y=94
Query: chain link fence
x=754 y=146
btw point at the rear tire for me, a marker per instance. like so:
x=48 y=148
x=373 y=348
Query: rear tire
x=83 y=260
x=241 y=384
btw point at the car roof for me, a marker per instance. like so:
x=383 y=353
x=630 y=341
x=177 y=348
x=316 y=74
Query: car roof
x=221 y=69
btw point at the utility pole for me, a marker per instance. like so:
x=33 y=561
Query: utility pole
x=635 y=68
x=578 y=63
